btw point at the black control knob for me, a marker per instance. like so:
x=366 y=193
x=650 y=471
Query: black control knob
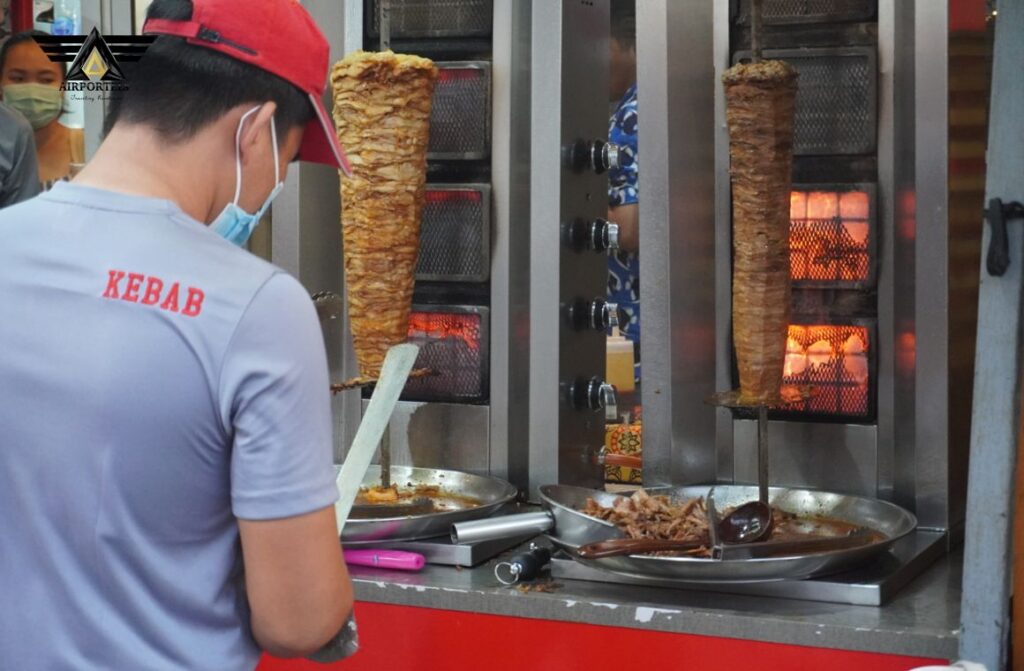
x=597 y=314
x=599 y=235
x=591 y=394
x=596 y=155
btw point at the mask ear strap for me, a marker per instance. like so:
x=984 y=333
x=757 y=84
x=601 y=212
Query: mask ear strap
x=277 y=163
x=238 y=154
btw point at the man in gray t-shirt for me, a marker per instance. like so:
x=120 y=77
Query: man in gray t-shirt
x=19 y=173
x=166 y=475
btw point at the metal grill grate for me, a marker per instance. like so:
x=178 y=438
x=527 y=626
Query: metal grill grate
x=434 y=18
x=811 y=11
x=455 y=234
x=835 y=360
x=460 y=119
x=831 y=236
x=836 y=108
x=454 y=346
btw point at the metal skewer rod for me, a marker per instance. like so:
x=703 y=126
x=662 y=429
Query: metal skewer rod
x=762 y=453
x=756 y=14
x=385 y=458
x=384 y=21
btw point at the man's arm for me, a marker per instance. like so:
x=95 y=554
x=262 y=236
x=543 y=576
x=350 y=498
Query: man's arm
x=22 y=181
x=296 y=581
x=628 y=219
x=275 y=402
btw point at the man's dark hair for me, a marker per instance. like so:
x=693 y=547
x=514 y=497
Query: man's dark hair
x=623 y=23
x=179 y=88
x=21 y=38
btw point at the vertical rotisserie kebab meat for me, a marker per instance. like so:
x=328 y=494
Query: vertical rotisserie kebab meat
x=382 y=114
x=760 y=102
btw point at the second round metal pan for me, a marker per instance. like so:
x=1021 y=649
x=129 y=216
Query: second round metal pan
x=491 y=493
x=889 y=519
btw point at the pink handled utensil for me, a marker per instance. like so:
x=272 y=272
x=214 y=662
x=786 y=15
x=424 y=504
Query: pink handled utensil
x=396 y=560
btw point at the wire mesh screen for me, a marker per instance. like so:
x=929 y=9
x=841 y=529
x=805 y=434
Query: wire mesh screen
x=460 y=117
x=831 y=237
x=454 y=346
x=836 y=102
x=434 y=18
x=835 y=361
x=455 y=234
x=811 y=11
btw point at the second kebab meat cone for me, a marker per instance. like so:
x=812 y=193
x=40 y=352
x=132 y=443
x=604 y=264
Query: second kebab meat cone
x=382 y=114
x=760 y=103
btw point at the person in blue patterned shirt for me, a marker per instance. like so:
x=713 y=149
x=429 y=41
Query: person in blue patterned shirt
x=623 y=189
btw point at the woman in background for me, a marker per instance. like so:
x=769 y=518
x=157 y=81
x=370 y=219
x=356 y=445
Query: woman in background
x=30 y=83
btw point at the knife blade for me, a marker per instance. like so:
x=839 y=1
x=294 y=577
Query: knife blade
x=393 y=374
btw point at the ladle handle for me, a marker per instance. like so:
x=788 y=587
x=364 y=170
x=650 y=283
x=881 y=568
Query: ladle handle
x=624 y=460
x=628 y=546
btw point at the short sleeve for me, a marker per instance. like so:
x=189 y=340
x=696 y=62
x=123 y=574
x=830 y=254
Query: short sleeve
x=22 y=179
x=623 y=184
x=275 y=400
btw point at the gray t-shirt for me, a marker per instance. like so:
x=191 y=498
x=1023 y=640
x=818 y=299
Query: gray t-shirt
x=19 y=171
x=156 y=383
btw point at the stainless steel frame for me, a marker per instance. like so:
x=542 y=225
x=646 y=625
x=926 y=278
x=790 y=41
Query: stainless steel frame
x=568 y=104
x=676 y=74
x=906 y=456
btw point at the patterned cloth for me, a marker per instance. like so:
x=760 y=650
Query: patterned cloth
x=623 y=189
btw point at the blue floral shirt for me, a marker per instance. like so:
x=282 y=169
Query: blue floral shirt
x=624 y=267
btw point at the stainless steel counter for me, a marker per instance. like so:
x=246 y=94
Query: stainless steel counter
x=922 y=620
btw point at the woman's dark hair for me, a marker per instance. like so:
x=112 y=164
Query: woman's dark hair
x=623 y=22
x=178 y=88
x=20 y=38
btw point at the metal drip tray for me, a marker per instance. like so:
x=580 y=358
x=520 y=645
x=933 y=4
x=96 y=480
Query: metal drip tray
x=871 y=585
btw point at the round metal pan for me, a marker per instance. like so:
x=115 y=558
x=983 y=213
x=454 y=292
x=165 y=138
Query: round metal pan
x=894 y=522
x=491 y=493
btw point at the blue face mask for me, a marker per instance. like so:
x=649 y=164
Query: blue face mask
x=233 y=223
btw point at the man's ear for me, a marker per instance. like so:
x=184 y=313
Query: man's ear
x=256 y=130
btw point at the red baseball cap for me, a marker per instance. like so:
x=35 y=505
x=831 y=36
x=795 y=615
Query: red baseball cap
x=279 y=37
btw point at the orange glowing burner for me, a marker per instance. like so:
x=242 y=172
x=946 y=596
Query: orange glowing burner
x=831 y=236
x=834 y=360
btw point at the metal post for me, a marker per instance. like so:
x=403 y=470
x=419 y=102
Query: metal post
x=676 y=70
x=995 y=422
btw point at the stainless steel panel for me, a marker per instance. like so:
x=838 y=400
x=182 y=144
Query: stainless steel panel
x=455 y=233
x=678 y=239
x=832 y=457
x=931 y=290
x=460 y=118
x=306 y=235
x=896 y=267
x=434 y=18
x=723 y=246
x=568 y=103
x=510 y=256
x=440 y=435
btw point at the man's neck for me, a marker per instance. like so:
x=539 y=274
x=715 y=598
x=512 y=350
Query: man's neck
x=134 y=160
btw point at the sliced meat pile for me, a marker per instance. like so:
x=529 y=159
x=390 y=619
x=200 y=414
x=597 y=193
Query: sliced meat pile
x=644 y=516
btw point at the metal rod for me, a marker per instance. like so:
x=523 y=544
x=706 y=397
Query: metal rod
x=385 y=458
x=762 y=453
x=756 y=14
x=384 y=19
